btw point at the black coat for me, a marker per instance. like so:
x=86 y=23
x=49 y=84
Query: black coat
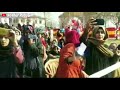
x=7 y=63
x=33 y=65
x=96 y=60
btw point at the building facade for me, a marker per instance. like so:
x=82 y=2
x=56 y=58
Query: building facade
x=36 y=19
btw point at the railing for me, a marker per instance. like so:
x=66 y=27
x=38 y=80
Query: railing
x=105 y=71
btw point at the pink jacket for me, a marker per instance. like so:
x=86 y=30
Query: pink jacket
x=18 y=55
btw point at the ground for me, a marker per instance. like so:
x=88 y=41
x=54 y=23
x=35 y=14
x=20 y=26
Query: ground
x=112 y=41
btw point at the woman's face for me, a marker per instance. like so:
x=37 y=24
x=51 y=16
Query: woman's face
x=100 y=34
x=4 y=41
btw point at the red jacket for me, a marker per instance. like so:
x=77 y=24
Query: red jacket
x=68 y=70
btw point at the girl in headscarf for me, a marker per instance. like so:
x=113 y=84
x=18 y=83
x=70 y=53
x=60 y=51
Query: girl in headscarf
x=33 y=65
x=69 y=65
x=97 y=56
x=10 y=54
x=54 y=49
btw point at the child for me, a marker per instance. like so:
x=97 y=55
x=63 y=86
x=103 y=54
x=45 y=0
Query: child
x=69 y=65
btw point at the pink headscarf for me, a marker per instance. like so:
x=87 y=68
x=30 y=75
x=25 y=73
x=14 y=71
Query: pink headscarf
x=72 y=36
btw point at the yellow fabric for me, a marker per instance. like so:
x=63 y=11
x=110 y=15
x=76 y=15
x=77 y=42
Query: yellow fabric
x=51 y=67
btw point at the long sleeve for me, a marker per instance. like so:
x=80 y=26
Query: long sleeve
x=84 y=37
x=19 y=55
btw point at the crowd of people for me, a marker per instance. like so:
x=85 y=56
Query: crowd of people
x=24 y=51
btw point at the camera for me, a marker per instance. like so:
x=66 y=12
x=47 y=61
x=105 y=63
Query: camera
x=99 y=21
x=4 y=32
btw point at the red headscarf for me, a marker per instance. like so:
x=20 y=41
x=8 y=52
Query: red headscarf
x=72 y=37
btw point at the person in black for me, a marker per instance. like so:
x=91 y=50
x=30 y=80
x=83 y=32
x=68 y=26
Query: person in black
x=33 y=65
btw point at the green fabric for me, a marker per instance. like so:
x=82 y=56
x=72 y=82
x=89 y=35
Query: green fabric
x=96 y=61
x=34 y=61
x=100 y=46
x=98 y=57
x=100 y=43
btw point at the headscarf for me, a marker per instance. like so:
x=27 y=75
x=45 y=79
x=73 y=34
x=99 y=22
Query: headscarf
x=99 y=43
x=96 y=28
x=72 y=37
x=4 y=32
x=8 y=50
x=67 y=51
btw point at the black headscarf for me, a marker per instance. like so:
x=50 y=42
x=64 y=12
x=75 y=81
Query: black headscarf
x=5 y=51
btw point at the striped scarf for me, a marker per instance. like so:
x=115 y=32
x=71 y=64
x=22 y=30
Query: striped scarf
x=100 y=46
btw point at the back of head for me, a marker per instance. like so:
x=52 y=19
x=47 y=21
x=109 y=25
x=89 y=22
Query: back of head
x=72 y=37
x=67 y=50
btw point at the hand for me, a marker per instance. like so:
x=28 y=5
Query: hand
x=85 y=75
x=12 y=37
x=91 y=23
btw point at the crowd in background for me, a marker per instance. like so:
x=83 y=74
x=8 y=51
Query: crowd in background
x=25 y=50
